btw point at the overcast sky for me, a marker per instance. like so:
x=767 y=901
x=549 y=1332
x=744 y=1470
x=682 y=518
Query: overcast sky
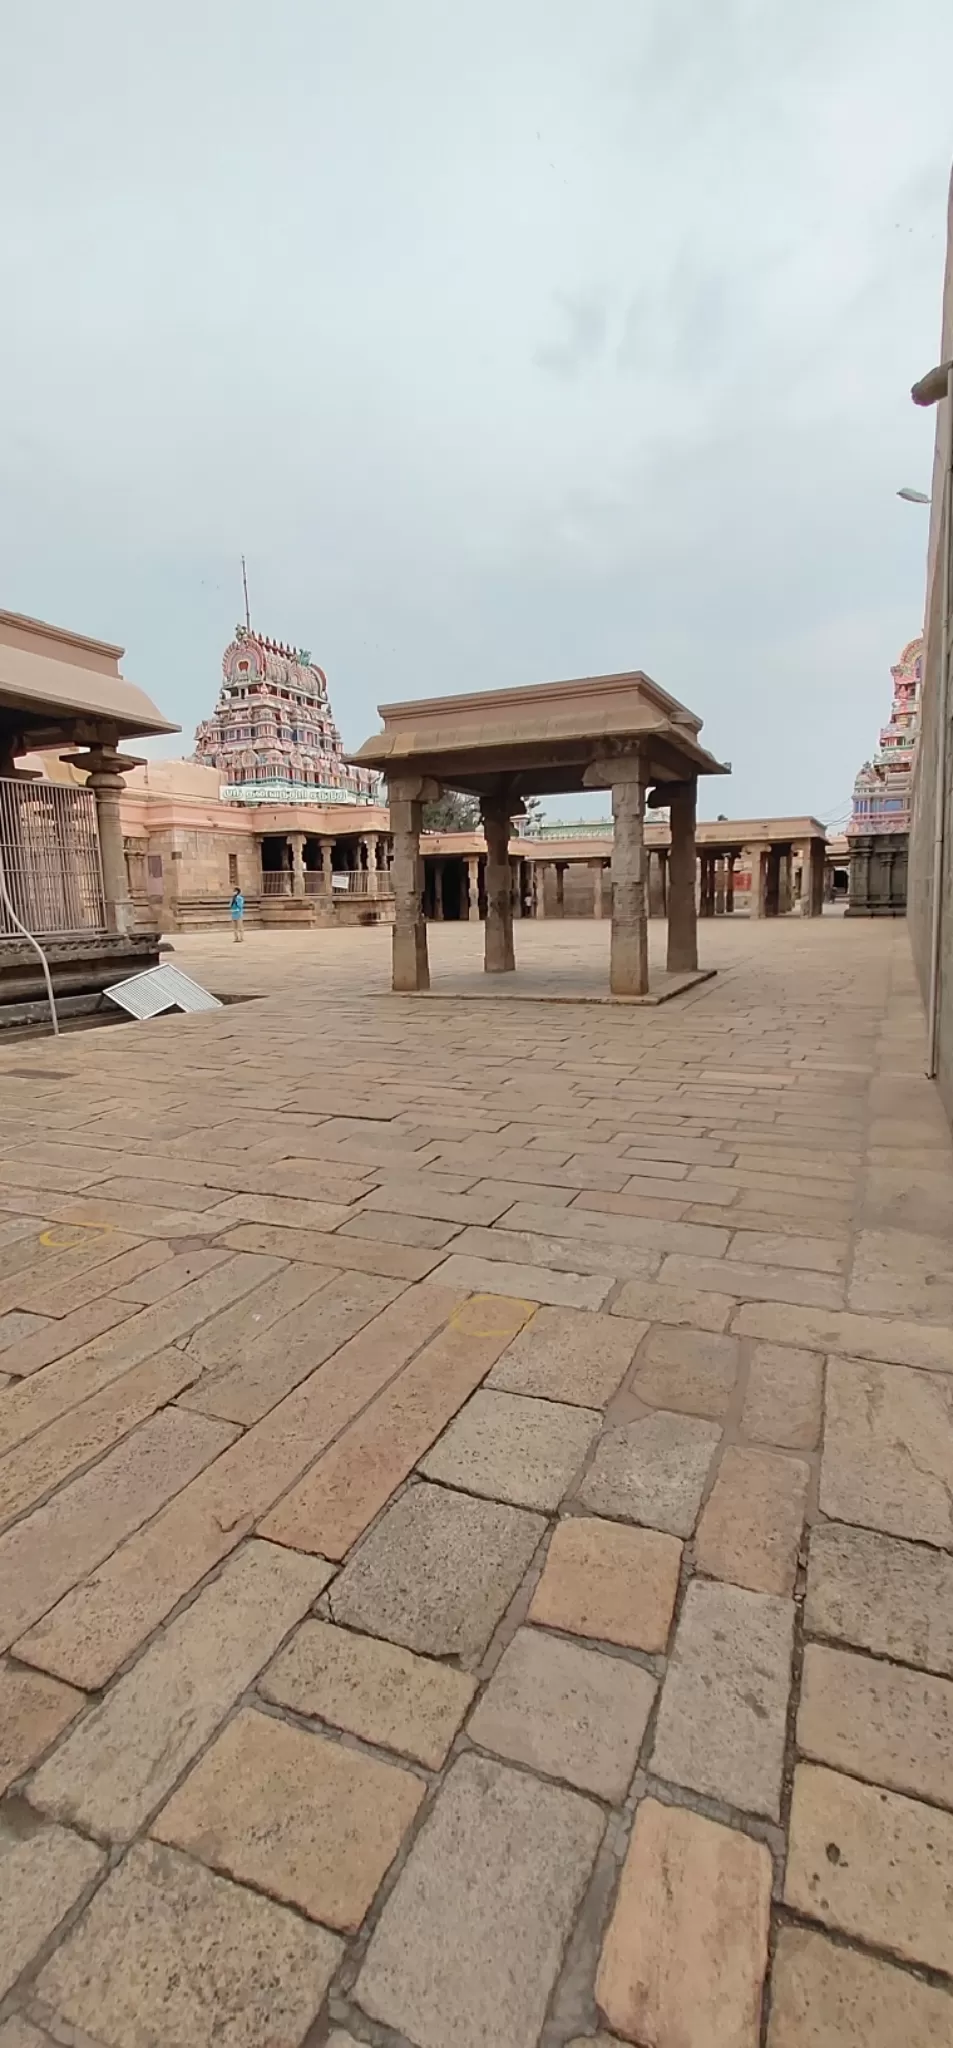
x=511 y=339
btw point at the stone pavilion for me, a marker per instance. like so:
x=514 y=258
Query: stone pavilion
x=620 y=733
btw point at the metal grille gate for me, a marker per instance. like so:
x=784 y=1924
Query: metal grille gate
x=49 y=858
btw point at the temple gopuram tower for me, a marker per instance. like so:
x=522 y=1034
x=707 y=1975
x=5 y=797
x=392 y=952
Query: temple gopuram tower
x=272 y=733
x=879 y=828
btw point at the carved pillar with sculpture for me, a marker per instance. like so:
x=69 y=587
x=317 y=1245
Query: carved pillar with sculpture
x=473 y=887
x=296 y=842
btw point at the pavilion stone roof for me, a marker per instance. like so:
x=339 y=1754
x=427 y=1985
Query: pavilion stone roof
x=58 y=687
x=544 y=736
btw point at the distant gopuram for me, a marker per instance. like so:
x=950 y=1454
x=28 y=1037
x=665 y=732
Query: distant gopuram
x=879 y=827
x=272 y=733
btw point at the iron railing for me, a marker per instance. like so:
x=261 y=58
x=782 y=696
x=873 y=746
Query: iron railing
x=49 y=858
x=318 y=882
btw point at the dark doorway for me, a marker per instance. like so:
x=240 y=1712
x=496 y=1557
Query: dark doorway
x=445 y=888
x=275 y=855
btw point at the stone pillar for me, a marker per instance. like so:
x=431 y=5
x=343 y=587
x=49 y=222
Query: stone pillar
x=473 y=887
x=516 y=887
x=785 y=880
x=596 y=866
x=657 y=863
x=707 y=904
x=682 y=927
x=539 y=888
x=104 y=765
x=730 y=859
x=438 y=890
x=629 y=953
x=559 y=870
x=369 y=844
x=759 y=881
x=296 y=842
x=812 y=878
x=411 y=968
x=498 y=957
x=719 y=885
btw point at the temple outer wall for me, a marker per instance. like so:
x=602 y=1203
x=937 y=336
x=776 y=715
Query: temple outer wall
x=920 y=875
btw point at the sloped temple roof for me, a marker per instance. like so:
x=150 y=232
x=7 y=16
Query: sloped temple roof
x=542 y=738
x=56 y=687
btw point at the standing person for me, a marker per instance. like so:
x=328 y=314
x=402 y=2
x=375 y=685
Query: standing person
x=237 y=915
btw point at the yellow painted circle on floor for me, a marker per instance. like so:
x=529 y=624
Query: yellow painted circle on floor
x=492 y=1315
x=67 y=1237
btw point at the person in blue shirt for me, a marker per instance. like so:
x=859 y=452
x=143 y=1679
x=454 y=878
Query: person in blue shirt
x=237 y=915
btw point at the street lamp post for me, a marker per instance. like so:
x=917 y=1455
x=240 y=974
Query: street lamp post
x=936 y=385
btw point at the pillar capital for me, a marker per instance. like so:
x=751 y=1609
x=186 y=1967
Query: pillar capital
x=612 y=769
x=412 y=789
x=104 y=767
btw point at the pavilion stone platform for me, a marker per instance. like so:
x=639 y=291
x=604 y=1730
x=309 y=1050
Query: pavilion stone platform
x=620 y=733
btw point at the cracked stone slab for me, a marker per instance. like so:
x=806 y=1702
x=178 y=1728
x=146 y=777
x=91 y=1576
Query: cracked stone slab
x=884 y=1595
x=827 y=1996
x=722 y=1719
x=437 y=1572
x=512 y=1448
x=167 y=1952
x=887 y=1460
x=470 y=1942
x=566 y=1711
x=652 y=1472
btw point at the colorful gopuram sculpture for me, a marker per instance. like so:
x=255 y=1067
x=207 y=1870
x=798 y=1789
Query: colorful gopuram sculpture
x=272 y=732
x=883 y=792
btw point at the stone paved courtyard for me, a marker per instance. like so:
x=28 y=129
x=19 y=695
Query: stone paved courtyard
x=476 y=1490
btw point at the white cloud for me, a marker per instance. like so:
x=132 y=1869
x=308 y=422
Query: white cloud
x=507 y=340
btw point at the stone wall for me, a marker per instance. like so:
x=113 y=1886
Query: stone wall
x=920 y=874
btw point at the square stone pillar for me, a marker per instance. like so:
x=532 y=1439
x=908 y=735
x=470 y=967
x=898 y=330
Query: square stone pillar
x=629 y=951
x=682 y=912
x=597 y=906
x=498 y=955
x=473 y=887
x=411 y=967
x=759 y=881
x=657 y=864
x=516 y=887
x=539 y=888
x=707 y=893
x=785 y=880
x=812 y=878
x=730 y=883
x=559 y=870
